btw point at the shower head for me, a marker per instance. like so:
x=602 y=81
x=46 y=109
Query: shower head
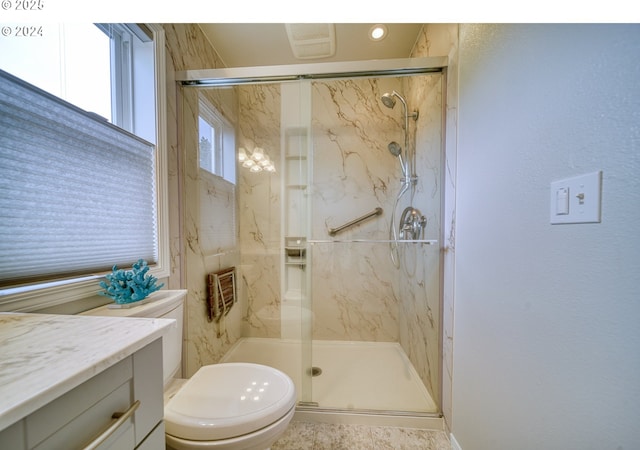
x=388 y=100
x=394 y=148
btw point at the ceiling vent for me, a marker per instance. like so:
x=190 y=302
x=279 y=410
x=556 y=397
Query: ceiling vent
x=312 y=40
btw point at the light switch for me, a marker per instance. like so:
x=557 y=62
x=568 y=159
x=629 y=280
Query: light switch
x=562 y=201
x=577 y=199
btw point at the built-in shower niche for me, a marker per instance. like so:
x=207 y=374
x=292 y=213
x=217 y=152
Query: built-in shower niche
x=295 y=261
x=295 y=136
x=295 y=251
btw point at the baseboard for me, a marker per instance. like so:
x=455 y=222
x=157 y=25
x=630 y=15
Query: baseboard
x=454 y=443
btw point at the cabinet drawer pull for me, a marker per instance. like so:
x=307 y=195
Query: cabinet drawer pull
x=121 y=417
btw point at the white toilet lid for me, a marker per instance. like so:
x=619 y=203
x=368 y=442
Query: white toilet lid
x=222 y=401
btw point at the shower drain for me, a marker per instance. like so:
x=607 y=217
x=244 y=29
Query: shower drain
x=314 y=371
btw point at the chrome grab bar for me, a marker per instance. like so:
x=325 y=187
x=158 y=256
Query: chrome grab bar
x=375 y=212
x=121 y=419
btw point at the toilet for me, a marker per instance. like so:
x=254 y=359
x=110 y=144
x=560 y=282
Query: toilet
x=228 y=406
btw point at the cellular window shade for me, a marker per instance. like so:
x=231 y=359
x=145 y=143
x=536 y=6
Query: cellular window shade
x=77 y=194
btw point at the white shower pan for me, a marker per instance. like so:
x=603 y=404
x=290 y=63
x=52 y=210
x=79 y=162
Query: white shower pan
x=355 y=376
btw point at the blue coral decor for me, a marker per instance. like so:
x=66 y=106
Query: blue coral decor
x=129 y=286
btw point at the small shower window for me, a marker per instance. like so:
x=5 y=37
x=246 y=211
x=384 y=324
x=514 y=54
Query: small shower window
x=216 y=142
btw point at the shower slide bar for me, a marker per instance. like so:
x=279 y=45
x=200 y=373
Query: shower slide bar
x=375 y=212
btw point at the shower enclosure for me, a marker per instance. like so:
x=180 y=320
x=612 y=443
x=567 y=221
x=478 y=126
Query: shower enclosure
x=339 y=266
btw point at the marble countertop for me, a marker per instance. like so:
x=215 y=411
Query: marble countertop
x=43 y=356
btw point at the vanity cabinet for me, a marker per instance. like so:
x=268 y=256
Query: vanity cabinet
x=74 y=420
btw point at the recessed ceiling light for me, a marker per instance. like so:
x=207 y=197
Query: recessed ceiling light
x=377 y=32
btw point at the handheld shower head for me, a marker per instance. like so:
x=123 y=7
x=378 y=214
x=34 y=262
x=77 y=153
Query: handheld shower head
x=396 y=150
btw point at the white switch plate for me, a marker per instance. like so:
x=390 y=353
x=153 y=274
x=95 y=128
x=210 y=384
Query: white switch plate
x=584 y=195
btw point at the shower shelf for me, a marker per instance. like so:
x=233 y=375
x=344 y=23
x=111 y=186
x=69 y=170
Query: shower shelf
x=373 y=241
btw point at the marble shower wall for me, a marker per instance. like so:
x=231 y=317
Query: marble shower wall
x=442 y=40
x=354 y=173
x=419 y=287
x=206 y=196
x=260 y=211
x=194 y=198
x=357 y=293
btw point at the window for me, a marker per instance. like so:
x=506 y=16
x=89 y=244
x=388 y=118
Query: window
x=106 y=69
x=79 y=194
x=216 y=181
x=216 y=142
x=132 y=77
x=61 y=61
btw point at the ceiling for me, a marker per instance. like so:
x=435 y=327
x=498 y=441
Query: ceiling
x=266 y=44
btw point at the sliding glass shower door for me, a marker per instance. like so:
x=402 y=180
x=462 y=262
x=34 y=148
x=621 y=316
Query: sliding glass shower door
x=356 y=329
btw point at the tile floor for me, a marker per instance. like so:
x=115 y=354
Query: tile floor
x=323 y=436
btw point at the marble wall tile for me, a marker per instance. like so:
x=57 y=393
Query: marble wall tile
x=353 y=173
x=441 y=40
x=260 y=211
x=193 y=200
x=205 y=198
x=419 y=289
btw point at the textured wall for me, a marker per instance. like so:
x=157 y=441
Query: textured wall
x=546 y=316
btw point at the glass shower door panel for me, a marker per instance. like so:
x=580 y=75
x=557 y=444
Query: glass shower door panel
x=359 y=360
x=296 y=148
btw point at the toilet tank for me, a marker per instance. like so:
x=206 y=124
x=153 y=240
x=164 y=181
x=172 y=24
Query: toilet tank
x=168 y=304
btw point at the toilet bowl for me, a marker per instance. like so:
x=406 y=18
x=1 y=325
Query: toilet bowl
x=228 y=406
